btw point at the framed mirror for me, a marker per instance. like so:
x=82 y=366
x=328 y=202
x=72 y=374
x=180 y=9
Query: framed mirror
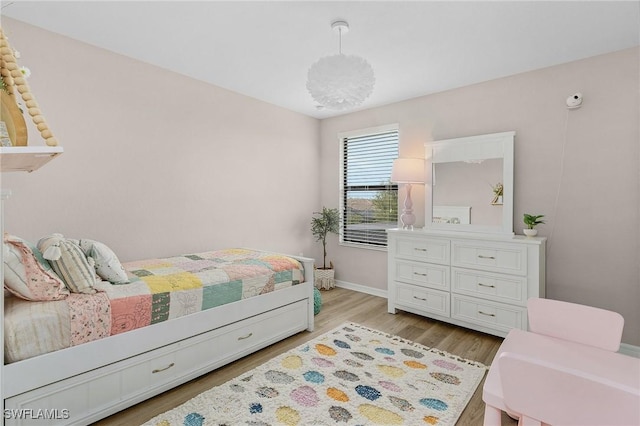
x=471 y=184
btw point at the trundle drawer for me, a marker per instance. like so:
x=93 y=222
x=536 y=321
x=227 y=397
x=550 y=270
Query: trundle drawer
x=426 y=250
x=498 y=287
x=245 y=337
x=215 y=347
x=138 y=378
x=423 y=274
x=427 y=300
x=489 y=256
x=488 y=314
x=152 y=373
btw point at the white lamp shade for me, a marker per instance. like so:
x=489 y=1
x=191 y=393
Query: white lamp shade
x=407 y=170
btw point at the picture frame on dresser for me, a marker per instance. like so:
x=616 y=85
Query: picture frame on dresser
x=473 y=273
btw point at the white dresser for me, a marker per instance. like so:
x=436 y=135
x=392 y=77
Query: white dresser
x=472 y=280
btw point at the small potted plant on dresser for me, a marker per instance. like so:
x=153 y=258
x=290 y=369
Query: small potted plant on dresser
x=322 y=223
x=531 y=221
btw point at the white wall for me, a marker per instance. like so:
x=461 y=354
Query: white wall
x=159 y=164
x=590 y=196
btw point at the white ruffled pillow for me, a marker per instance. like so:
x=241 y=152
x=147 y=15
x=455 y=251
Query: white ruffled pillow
x=107 y=265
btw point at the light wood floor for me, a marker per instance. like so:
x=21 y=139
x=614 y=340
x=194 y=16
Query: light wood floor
x=339 y=305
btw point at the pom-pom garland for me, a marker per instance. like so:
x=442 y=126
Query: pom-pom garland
x=14 y=80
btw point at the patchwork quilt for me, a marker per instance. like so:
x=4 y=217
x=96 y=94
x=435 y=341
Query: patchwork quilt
x=163 y=289
x=159 y=290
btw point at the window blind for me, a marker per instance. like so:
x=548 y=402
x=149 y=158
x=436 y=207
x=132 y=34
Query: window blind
x=369 y=199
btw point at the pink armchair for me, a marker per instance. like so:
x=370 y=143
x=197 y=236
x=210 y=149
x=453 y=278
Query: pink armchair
x=564 y=371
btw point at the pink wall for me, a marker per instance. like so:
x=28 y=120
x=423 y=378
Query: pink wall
x=156 y=163
x=473 y=185
x=591 y=197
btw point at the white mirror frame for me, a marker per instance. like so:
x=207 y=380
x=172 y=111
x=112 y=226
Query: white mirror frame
x=495 y=145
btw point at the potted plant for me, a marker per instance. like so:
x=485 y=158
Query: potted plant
x=531 y=221
x=322 y=223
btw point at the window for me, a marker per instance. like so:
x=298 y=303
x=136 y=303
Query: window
x=369 y=201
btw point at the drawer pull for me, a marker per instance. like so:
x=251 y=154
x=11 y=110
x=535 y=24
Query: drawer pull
x=484 y=313
x=420 y=298
x=486 y=285
x=245 y=337
x=158 y=370
x=485 y=257
x=420 y=249
x=418 y=273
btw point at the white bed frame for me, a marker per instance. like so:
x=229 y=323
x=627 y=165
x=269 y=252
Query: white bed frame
x=85 y=383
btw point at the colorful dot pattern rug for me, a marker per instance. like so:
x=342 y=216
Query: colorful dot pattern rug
x=351 y=375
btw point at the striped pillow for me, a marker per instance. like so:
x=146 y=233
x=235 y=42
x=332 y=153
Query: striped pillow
x=69 y=262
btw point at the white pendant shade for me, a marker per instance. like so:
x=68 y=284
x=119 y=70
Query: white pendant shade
x=340 y=81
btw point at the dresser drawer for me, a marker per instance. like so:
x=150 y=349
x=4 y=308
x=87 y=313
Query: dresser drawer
x=423 y=274
x=498 y=287
x=427 y=300
x=490 y=256
x=488 y=314
x=424 y=249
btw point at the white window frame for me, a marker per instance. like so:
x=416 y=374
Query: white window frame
x=341 y=139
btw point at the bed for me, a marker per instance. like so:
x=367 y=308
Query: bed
x=173 y=320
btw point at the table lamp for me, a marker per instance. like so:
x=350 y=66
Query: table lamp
x=408 y=171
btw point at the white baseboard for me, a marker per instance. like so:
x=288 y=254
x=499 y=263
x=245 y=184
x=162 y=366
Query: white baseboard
x=362 y=288
x=630 y=350
x=625 y=348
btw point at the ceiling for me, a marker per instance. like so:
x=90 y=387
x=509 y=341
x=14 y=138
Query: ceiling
x=264 y=49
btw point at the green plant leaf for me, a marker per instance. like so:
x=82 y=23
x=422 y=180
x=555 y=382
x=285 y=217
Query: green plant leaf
x=532 y=220
x=322 y=223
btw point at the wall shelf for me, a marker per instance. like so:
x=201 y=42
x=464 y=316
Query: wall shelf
x=27 y=158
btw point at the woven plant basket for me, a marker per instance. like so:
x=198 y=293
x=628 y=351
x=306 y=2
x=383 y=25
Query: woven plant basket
x=324 y=279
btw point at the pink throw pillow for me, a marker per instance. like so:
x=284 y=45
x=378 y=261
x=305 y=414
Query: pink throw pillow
x=28 y=277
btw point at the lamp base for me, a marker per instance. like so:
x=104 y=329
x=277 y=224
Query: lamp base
x=408 y=218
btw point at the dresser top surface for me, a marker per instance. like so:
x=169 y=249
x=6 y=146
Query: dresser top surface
x=468 y=236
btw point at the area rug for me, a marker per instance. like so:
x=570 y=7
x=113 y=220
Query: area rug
x=352 y=375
